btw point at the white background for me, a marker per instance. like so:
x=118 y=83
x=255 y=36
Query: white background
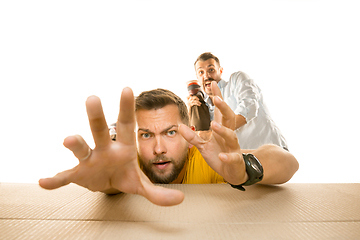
x=304 y=55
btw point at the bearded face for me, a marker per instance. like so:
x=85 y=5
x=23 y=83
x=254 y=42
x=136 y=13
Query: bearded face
x=162 y=169
x=162 y=151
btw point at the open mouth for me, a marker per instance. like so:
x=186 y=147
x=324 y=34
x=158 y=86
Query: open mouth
x=161 y=164
x=208 y=83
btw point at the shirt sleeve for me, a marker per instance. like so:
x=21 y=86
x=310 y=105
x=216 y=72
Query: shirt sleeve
x=247 y=95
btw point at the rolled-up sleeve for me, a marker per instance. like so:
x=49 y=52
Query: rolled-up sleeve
x=247 y=95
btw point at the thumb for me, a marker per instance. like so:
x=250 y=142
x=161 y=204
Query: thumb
x=190 y=136
x=215 y=89
x=162 y=196
x=217 y=93
x=59 y=180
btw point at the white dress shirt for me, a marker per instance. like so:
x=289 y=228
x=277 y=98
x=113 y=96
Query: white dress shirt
x=244 y=98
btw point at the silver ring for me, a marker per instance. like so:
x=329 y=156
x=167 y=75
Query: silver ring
x=87 y=156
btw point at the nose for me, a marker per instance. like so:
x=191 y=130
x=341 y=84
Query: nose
x=206 y=76
x=159 y=147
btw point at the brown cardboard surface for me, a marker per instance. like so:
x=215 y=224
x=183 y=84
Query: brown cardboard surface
x=214 y=211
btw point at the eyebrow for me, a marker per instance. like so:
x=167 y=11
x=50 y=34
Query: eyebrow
x=163 y=131
x=211 y=65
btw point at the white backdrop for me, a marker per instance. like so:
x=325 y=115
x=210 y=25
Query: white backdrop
x=304 y=55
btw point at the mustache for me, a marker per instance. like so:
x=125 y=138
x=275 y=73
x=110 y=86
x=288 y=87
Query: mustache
x=209 y=79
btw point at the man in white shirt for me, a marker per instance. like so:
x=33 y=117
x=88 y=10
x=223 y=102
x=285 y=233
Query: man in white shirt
x=253 y=125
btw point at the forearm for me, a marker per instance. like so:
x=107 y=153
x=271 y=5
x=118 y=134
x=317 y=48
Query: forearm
x=279 y=165
x=248 y=96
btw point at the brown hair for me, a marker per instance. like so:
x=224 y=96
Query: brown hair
x=159 y=98
x=206 y=56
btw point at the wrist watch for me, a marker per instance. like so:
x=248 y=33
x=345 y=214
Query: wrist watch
x=254 y=170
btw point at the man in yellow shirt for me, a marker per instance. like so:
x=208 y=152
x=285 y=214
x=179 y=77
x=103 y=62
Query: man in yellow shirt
x=167 y=151
x=198 y=171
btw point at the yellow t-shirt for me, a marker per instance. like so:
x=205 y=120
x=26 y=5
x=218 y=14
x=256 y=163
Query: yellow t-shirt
x=198 y=171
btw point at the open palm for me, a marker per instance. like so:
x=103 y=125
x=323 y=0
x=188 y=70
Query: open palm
x=221 y=151
x=111 y=167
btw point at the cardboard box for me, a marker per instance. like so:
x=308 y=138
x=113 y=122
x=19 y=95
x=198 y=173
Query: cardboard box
x=209 y=211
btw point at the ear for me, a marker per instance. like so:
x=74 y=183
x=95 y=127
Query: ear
x=221 y=69
x=192 y=128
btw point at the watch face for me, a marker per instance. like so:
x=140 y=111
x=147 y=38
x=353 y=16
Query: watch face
x=254 y=163
x=255 y=167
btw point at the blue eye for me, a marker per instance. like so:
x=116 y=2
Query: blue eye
x=145 y=135
x=171 y=133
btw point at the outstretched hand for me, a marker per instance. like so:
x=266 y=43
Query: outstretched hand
x=112 y=166
x=222 y=151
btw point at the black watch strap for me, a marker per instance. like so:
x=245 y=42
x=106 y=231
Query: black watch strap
x=254 y=170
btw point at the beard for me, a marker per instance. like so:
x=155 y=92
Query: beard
x=160 y=176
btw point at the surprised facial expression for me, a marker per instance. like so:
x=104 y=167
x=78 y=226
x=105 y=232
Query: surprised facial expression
x=162 y=150
x=206 y=72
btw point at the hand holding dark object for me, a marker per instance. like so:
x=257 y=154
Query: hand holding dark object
x=193 y=88
x=222 y=151
x=198 y=110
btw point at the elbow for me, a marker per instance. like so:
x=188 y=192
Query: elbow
x=291 y=168
x=279 y=165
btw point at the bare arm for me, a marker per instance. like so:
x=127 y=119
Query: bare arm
x=279 y=165
x=223 y=154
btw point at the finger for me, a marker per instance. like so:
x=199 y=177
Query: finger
x=219 y=115
x=126 y=120
x=216 y=90
x=59 y=180
x=225 y=115
x=78 y=146
x=195 y=103
x=97 y=122
x=206 y=135
x=162 y=196
x=190 y=136
x=193 y=98
x=227 y=134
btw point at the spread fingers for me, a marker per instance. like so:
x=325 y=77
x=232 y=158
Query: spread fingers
x=97 y=122
x=78 y=146
x=126 y=120
x=227 y=134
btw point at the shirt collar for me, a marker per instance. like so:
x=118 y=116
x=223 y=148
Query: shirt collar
x=221 y=83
